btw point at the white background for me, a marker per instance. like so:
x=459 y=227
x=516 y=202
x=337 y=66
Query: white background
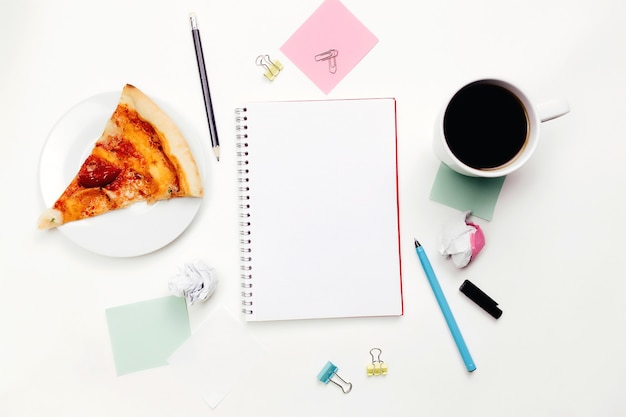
x=554 y=258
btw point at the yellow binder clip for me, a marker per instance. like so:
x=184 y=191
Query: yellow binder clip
x=377 y=367
x=272 y=68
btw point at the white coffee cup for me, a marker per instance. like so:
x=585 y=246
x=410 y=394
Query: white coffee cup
x=471 y=128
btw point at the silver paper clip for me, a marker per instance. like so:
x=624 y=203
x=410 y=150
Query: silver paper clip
x=331 y=57
x=377 y=367
x=272 y=68
x=328 y=372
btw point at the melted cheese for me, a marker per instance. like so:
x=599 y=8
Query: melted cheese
x=146 y=171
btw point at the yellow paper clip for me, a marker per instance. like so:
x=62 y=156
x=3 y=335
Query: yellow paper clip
x=377 y=367
x=272 y=68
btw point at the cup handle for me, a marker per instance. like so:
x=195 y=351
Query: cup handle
x=552 y=109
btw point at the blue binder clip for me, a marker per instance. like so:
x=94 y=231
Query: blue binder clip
x=328 y=372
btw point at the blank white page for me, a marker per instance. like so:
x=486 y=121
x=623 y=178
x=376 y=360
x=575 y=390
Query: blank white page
x=321 y=185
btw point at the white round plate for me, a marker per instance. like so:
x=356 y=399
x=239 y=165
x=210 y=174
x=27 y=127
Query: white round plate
x=136 y=230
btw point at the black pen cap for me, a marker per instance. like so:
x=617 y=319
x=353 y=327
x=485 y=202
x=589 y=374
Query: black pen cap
x=479 y=297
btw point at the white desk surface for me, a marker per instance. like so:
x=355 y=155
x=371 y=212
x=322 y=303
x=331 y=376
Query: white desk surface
x=554 y=258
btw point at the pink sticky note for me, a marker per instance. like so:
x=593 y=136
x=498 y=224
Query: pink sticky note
x=329 y=44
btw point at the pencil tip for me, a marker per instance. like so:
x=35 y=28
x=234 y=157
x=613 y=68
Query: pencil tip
x=417 y=244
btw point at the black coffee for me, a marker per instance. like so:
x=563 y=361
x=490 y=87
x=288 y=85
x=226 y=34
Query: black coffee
x=485 y=125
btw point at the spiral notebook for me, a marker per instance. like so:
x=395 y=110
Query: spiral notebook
x=319 y=209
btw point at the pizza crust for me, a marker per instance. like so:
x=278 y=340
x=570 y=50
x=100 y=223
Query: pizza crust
x=178 y=148
x=50 y=218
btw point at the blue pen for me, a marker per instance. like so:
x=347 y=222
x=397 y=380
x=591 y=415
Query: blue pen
x=445 y=308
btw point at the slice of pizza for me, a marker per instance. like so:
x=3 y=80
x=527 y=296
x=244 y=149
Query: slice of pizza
x=141 y=156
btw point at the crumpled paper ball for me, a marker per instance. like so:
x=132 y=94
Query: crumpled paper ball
x=461 y=240
x=196 y=282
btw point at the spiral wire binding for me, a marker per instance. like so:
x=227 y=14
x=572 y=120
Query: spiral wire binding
x=243 y=178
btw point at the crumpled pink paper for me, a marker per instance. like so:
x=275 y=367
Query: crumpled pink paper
x=461 y=240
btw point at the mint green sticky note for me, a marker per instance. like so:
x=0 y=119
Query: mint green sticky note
x=461 y=192
x=144 y=334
